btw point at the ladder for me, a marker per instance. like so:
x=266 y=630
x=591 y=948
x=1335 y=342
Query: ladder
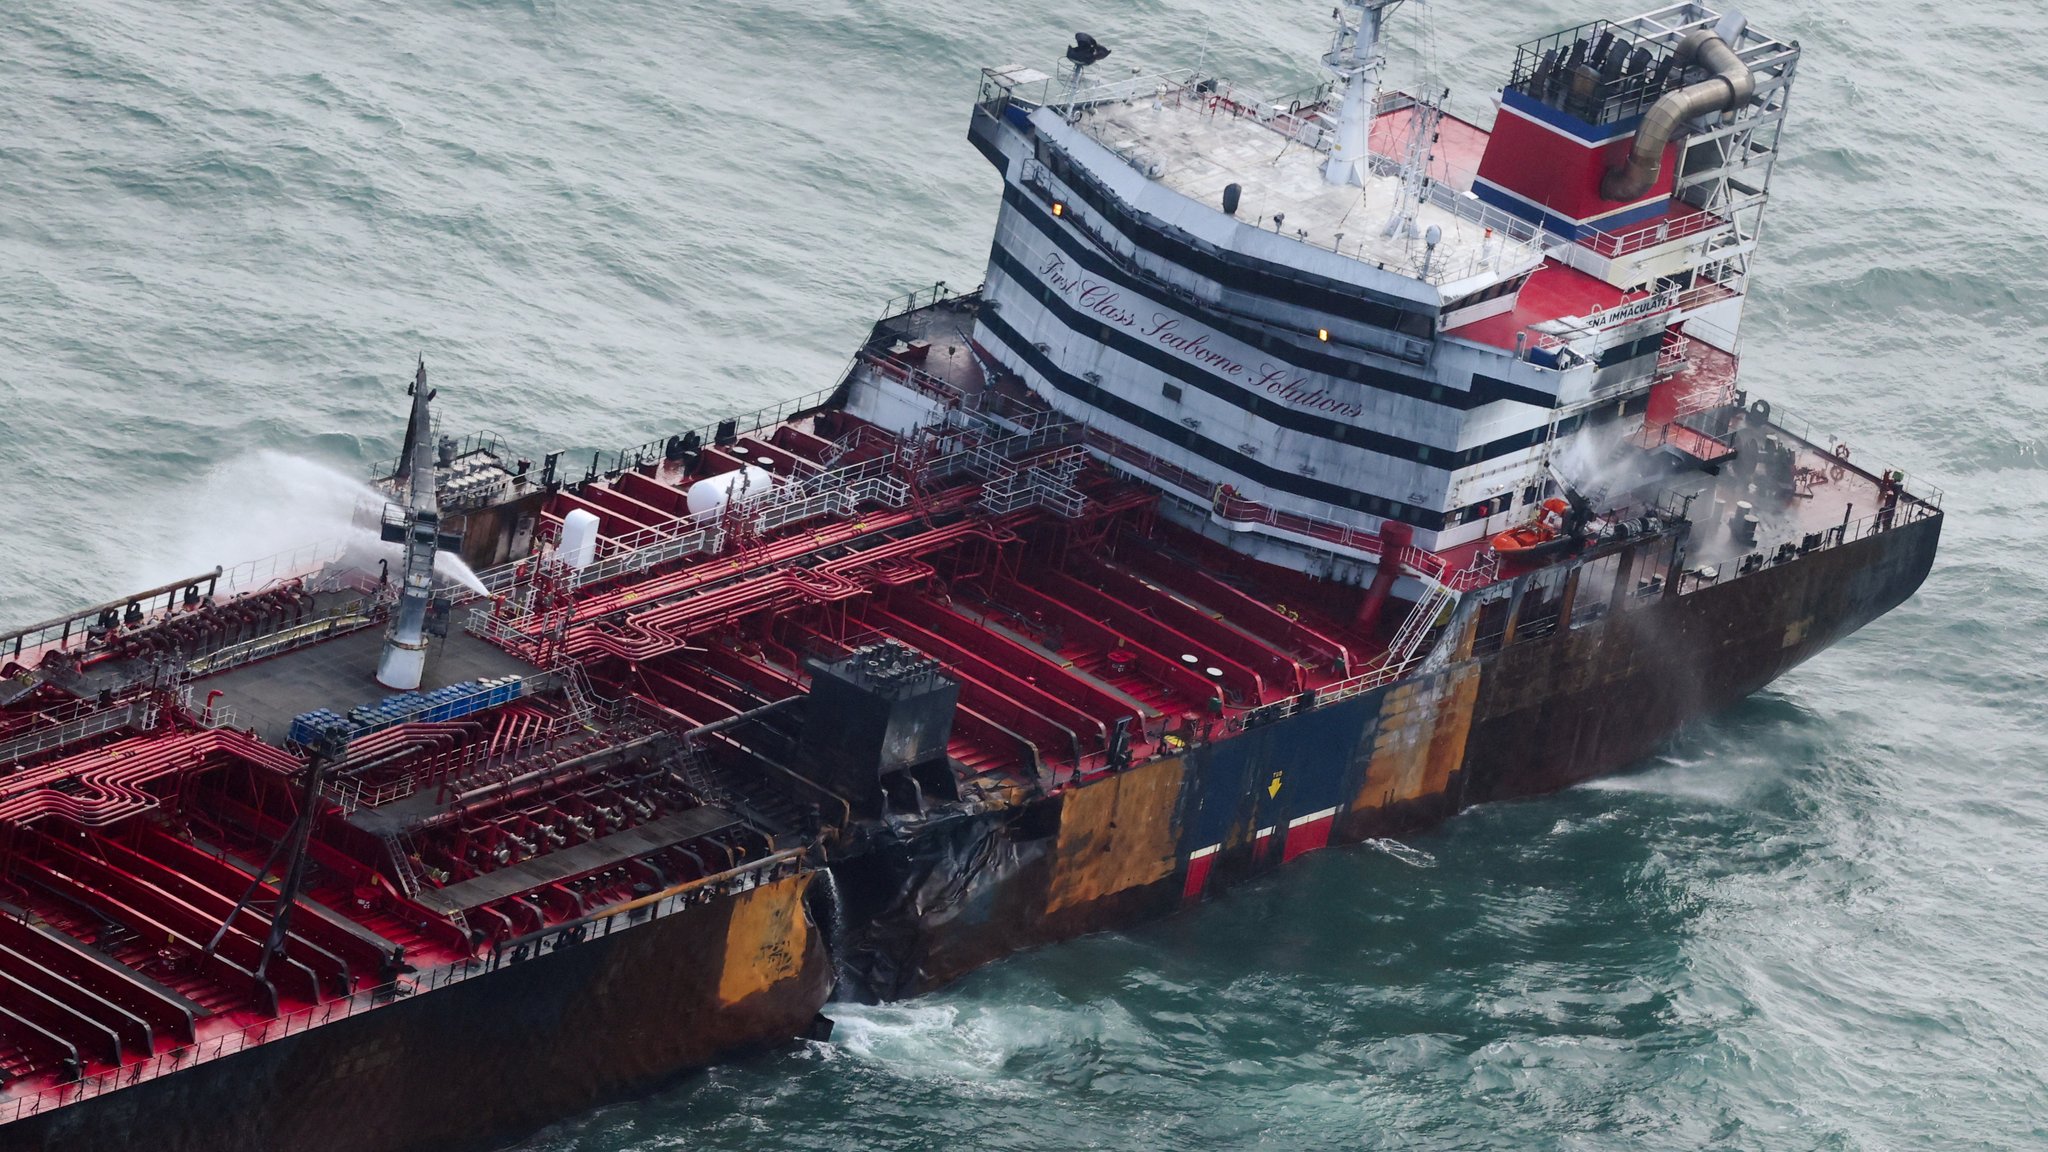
x=1407 y=645
x=399 y=846
x=576 y=690
x=684 y=758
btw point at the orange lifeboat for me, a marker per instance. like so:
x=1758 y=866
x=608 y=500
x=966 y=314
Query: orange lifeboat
x=1539 y=537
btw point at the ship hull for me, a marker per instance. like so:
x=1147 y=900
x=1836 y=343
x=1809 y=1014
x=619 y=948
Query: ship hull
x=482 y=1062
x=1533 y=717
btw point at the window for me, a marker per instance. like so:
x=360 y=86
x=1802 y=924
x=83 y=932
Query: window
x=1491 y=628
x=1647 y=575
x=1171 y=392
x=1542 y=603
x=1596 y=589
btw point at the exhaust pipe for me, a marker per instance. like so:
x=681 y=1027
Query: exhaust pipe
x=1730 y=87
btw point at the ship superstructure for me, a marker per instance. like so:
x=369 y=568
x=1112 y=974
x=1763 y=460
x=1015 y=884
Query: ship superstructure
x=1306 y=470
x=1173 y=267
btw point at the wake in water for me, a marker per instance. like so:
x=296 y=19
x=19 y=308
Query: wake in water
x=983 y=1044
x=1407 y=854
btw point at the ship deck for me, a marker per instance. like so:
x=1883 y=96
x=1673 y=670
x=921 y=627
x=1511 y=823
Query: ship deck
x=1552 y=292
x=1201 y=146
x=1058 y=631
x=340 y=674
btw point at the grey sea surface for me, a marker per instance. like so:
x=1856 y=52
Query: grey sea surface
x=1816 y=922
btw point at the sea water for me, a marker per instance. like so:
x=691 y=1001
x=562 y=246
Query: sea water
x=1813 y=923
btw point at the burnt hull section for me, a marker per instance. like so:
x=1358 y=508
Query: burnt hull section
x=1587 y=702
x=1538 y=715
x=487 y=1060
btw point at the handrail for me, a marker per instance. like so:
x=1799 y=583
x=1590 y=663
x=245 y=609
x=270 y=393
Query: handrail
x=766 y=416
x=686 y=535
x=1790 y=421
x=59 y=630
x=1226 y=504
x=1630 y=311
x=478 y=441
x=916 y=299
x=1697 y=222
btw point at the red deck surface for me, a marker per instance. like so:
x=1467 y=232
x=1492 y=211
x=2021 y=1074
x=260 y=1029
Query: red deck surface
x=1053 y=642
x=1454 y=159
x=1553 y=291
x=1706 y=380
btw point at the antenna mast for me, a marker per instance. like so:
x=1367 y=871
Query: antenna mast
x=1083 y=52
x=1427 y=114
x=1354 y=59
x=405 y=646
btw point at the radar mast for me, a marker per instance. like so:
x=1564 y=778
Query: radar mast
x=1354 y=59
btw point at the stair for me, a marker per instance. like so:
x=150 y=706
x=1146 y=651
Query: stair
x=576 y=689
x=745 y=793
x=1408 y=642
x=400 y=848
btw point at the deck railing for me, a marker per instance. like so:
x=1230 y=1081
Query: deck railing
x=291 y=564
x=1863 y=527
x=486 y=443
x=766 y=417
x=917 y=299
x=1695 y=223
x=836 y=492
x=1911 y=490
x=78 y=721
x=1227 y=505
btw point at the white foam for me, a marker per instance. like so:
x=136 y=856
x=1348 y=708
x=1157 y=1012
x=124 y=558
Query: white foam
x=974 y=1044
x=1406 y=853
x=1724 y=783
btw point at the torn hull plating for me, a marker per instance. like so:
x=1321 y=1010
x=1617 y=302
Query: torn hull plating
x=1535 y=717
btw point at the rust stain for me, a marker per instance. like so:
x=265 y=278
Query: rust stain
x=1116 y=834
x=1420 y=741
x=765 y=939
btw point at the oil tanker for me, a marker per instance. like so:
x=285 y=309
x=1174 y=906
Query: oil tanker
x=1307 y=468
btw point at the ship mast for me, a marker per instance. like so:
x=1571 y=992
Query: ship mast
x=405 y=646
x=1354 y=59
